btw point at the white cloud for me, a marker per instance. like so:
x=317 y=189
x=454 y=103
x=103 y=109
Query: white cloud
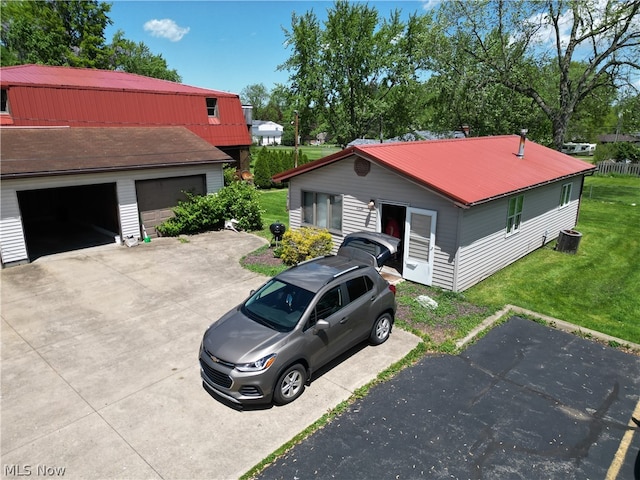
x=166 y=28
x=430 y=4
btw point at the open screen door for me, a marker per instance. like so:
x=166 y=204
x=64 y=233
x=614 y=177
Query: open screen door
x=419 y=243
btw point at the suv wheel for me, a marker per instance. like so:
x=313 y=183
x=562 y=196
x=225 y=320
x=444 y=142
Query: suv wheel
x=381 y=329
x=290 y=385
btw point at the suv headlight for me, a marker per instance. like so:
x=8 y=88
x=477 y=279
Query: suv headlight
x=258 y=365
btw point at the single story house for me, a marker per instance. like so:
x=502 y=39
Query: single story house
x=266 y=133
x=61 y=183
x=465 y=208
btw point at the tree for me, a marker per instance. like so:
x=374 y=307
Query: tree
x=55 y=33
x=71 y=33
x=257 y=96
x=354 y=75
x=628 y=113
x=583 y=46
x=131 y=57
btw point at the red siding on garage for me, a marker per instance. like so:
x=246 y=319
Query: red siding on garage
x=47 y=96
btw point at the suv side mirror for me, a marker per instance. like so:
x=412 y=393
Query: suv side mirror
x=319 y=326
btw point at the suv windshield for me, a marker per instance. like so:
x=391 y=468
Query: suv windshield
x=277 y=305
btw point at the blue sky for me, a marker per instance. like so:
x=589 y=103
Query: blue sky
x=224 y=45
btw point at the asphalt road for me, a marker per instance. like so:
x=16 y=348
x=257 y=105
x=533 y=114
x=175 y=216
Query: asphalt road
x=525 y=402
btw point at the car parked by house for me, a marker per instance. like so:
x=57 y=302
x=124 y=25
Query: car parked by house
x=268 y=347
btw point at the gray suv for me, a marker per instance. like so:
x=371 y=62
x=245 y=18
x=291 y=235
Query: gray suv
x=266 y=349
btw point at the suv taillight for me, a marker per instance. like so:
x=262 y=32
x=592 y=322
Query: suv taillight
x=392 y=288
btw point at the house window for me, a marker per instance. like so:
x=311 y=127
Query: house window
x=565 y=198
x=4 y=102
x=322 y=210
x=212 y=107
x=514 y=215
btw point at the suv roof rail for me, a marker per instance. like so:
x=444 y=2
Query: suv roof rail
x=355 y=267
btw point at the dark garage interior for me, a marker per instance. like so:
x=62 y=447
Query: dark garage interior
x=63 y=219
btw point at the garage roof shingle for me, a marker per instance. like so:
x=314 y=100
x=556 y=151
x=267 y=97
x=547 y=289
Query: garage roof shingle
x=30 y=152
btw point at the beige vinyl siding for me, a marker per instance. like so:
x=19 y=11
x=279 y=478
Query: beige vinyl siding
x=12 y=240
x=380 y=185
x=484 y=246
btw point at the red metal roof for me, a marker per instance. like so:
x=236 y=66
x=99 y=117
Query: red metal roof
x=46 y=75
x=42 y=95
x=468 y=170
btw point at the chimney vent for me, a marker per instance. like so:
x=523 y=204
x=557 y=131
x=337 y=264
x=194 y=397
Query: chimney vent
x=523 y=137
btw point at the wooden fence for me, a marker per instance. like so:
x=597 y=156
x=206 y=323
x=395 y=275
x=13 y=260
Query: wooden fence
x=607 y=168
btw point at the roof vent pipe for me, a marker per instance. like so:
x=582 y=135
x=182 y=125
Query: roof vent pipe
x=523 y=137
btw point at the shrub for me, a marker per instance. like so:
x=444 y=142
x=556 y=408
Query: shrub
x=240 y=200
x=304 y=243
x=199 y=213
x=230 y=175
x=262 y=170
x=620 y=152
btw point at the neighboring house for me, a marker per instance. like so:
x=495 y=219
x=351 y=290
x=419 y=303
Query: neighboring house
x=266 y=133
x=614 y=138
x=466 y=208
x=125 y=145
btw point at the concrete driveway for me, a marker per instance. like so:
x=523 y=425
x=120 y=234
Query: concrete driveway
x=100 y=375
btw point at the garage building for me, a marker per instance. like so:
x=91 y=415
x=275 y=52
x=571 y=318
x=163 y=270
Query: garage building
x=90 y=155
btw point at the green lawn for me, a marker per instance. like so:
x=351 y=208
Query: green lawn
x=597 y=288
x=274 y=205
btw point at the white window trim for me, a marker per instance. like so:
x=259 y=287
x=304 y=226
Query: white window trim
x=518 y=225
x=563 y=203
x=315 y=206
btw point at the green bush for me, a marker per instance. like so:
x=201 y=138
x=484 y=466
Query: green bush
x=304 y=243
x=270 y=162
x=619 y=151
x=200 y=213
x=240 y=200
x=230 y=175
x=262 y=170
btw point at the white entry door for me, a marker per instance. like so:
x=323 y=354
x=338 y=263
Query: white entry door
x=419 y=244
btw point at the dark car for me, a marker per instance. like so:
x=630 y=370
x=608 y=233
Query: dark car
x=266 y=349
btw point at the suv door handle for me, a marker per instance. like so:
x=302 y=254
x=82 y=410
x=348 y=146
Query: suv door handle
x=344 y=320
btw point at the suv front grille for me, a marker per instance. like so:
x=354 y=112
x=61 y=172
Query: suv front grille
x=215 y=376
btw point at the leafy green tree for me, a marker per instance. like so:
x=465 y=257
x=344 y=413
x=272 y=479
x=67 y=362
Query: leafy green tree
x=278 y=104
x=257 y=96
x=132 y=57
x=353 y=75
x=71 y=33
x=628 y=113
x=55 y=33
x=583 y=46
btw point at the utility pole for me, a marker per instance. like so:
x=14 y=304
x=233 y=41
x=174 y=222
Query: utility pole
x=295 y=140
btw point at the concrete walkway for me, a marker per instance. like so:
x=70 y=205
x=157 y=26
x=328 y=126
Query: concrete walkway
x=100 y=375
